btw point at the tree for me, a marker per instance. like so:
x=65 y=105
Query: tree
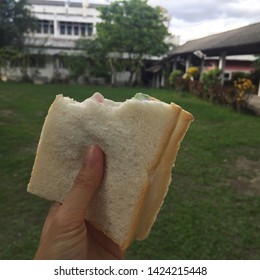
x=131 y=29
x=15 y=21
x=95 y=57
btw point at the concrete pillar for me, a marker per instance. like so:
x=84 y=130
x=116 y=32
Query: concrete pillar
x=84 y=7
x=202 y=64
x=188 y=62
x=56 y=27
x=154 y=81
x=162 y=79
x=157 y=80
x=222 y=65
x=66 y=7
x=174 y=65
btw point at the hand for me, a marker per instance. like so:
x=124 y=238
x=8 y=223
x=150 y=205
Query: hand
x=66 y=234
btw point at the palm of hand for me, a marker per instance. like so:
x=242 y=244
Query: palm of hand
x=74 y=240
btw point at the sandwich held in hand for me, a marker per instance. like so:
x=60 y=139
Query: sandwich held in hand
x=140 y=138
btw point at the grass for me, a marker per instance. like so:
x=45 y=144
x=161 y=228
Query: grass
x=206 y=215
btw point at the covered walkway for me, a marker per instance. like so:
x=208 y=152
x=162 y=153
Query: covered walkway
x=241 y=41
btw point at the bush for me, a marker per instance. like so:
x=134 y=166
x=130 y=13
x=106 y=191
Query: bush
x=192 y=73
x=173 y=77
x=182 y=85
x=195 y=88
x=211 y=78
x=234 y=96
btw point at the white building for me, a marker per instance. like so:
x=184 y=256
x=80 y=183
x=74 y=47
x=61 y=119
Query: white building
x=59 y=25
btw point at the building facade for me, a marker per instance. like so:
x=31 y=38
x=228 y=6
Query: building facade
x=59 y=26
x=233 y=65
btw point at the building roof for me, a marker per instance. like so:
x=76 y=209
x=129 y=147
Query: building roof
x=244 y=40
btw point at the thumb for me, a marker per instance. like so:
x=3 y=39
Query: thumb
x=85 y=184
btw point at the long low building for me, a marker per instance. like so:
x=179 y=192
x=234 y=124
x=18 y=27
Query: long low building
x=60 y=24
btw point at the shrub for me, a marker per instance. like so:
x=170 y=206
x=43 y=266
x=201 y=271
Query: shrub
x=195 y=88
x=211 y=77
x=182 y=85
x=243 y=86
x=173 y=76
x=192 y=73
x=237 y=75
x=233 y=96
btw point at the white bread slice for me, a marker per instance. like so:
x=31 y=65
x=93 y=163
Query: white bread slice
x=140 y=140
x=161 y=177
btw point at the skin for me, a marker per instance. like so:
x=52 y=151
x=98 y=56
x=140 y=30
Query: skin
x=66 y=235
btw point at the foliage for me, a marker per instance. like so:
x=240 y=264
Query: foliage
x=256 y=63
x=192 y=73
x=211 y=78
x=255 y=75
x=76 y=64
x=95 y=57
x=238 y=75
x=243 y=87
x=15 y=21
x=182 y=84
x=20 y=58
x=173 y=76
x=232 y=96
x=196 y=88
x=132 y=28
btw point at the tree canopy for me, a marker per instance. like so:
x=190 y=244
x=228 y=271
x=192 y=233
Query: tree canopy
x=129 y=31
x=133 y=27
x=15 y=21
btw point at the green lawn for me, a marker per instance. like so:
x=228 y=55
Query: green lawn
x=212 y=210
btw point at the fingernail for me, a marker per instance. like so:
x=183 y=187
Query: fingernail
x=91 y=157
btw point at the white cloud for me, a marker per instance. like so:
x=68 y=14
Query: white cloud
x=193 y=19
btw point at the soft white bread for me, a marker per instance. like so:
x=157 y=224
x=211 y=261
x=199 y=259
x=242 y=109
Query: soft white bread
x=140 y=140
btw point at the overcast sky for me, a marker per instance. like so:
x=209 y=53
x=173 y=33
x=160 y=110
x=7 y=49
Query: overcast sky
x=192 y=19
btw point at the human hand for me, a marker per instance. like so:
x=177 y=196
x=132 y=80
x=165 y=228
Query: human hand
x=66 y=234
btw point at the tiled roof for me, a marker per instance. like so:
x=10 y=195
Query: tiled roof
x=244 y=40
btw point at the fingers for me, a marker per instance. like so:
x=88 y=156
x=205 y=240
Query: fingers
x=85 y=184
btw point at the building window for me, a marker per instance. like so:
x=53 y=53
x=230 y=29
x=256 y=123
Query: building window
x=83 y=29
x=37 y=61
x=33 y=61
x=45 y=27
x=76 y=28
x=62 y=28
x=90 y=29
x=63 y=62
x=69 y=28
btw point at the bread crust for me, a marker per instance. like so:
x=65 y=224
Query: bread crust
x=161 y=178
